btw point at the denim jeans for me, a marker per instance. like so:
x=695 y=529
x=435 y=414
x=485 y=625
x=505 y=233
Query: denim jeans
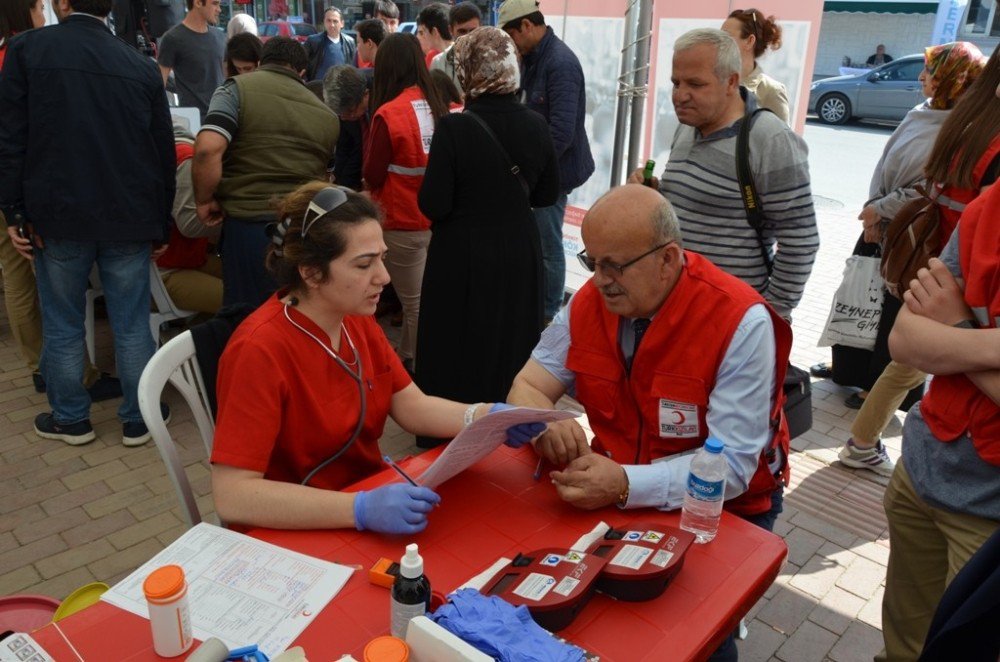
x=550 y=223
x=244 y=277
x=62 y=269
x=727 y=652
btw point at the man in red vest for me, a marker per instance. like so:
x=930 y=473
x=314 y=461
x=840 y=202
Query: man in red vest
x=943 y=500
x=711 y=362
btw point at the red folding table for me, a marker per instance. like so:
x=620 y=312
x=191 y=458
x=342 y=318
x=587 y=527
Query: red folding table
x=493 y=509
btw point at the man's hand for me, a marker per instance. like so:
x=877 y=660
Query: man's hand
x=562 y=443
x=23 y=245
x=872 y=222
x=637 y=178
x=590 y=481
x=936 y=295
x=158 y=251
x=210 y=213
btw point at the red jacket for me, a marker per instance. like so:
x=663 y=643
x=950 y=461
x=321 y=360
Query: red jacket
x=410 y=123
x=659 y=409
x=183 y=252
x=953 y=200
x=954 y=406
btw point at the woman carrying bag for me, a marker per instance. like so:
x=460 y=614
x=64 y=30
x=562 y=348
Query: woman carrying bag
x=949 y=70
x=965 y=159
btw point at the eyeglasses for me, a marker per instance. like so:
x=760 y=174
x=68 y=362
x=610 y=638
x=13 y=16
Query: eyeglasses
x=591 y=265
x=322 y=204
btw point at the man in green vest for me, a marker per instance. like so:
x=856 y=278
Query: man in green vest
x=265 y=134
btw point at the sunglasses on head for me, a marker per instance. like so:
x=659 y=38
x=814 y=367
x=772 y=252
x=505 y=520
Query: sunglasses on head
x=324 y=202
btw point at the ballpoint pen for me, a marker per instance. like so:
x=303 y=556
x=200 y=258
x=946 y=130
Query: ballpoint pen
x=399 y=470
x=538 y=468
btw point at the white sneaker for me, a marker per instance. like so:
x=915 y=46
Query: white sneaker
x=874 y=459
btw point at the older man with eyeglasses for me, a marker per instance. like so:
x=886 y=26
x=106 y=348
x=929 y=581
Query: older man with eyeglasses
x=662 y=349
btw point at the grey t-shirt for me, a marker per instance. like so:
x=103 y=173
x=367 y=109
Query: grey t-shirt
x=950 y=475
x=196 y=58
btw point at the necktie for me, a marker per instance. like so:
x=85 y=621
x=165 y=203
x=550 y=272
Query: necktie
x=639 y=327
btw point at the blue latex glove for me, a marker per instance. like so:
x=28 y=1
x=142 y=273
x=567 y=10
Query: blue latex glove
x=497 y=628
x=396 y=508
x=520 y=434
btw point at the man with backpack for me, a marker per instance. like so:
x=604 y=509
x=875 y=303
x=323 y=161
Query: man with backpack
x=702 y=183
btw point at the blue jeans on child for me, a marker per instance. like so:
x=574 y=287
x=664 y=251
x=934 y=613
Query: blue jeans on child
x=62 y=269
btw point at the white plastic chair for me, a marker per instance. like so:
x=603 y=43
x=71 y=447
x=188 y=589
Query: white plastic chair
x=165 y=308
x=176 y=362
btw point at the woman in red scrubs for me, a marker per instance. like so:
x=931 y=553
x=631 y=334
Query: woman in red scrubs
x=306 y=383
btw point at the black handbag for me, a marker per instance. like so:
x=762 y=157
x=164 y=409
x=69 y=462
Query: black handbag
x=797 y=386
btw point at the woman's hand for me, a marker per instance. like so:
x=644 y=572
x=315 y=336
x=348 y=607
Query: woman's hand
x=936 y=295
x=396 y=508
x=872 y=223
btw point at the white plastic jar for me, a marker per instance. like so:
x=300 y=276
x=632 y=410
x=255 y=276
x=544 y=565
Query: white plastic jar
x=169 y=613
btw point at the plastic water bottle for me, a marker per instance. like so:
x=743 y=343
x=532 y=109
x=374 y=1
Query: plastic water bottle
x=705 y=491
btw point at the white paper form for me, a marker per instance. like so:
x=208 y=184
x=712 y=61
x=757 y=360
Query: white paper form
x=482 y=438
x=241 y=590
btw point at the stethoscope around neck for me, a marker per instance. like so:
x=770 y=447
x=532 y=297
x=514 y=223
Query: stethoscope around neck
x=356 y=376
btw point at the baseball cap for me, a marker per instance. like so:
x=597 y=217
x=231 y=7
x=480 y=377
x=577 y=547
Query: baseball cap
x=511 y=10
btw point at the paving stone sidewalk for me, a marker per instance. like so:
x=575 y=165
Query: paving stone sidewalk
x=71 y=515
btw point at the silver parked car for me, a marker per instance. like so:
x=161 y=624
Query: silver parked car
x=885 y=93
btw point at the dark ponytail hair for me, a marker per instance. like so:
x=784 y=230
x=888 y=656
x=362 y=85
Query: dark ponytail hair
x=399 y=64
x=766 y=30
x=15 y=16
x=326 y=240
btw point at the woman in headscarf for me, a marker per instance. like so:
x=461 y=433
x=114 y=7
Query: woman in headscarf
x=950 y=69
x=482 y=295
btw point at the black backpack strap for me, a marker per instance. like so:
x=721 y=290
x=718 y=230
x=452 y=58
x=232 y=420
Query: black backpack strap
x=748 y=191
x=514 y=169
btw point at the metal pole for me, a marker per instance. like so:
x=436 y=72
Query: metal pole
x=624 y=98
x=640 y=81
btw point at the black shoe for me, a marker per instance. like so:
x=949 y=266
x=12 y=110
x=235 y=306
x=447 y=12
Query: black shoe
x=105 y=388
x=821 y=371
x=136 y=433
x=854 y=401
x=74 y=434
x=39 y=382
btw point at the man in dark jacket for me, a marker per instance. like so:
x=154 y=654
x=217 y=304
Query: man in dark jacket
x=330 y=48
x=86 y=167
x=552 y=84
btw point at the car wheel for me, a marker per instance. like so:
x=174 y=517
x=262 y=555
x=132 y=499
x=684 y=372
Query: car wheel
x=834 y=109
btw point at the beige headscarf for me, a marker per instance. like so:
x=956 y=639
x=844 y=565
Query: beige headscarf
x=486 y=63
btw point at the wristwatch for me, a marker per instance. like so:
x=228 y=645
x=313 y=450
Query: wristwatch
x=623 y=496
x=966 y=324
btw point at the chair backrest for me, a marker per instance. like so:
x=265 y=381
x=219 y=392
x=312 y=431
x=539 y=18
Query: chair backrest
x=176 y=362
x=165 y=309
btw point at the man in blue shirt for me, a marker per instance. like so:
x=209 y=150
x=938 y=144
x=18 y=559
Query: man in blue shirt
x=330 y=48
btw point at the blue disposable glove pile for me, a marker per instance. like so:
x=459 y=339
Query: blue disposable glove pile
x=396 y=508
x=500 y=629
x=520 y=434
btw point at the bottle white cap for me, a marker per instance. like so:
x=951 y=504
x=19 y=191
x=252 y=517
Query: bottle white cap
x=411 y=565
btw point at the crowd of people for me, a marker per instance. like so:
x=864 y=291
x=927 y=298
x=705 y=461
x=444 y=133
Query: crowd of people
x=441 y=163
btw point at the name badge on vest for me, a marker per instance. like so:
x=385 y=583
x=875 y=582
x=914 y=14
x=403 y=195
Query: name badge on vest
x=425 y=120
x=679 y=420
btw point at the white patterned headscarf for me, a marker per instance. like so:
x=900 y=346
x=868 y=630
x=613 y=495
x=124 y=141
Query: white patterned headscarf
x=486 y=63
